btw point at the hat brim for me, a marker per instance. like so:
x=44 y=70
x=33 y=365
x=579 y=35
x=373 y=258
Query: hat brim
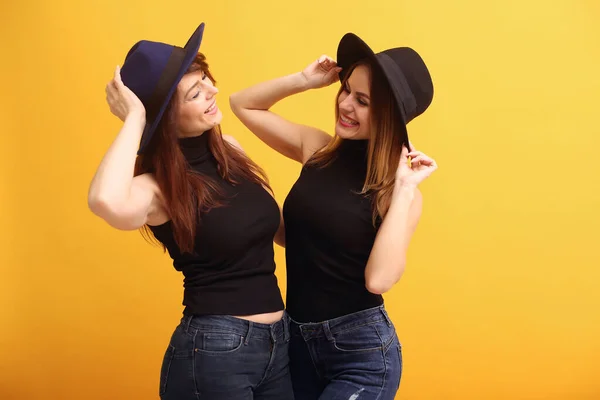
x=353 y=49
x=191 y=50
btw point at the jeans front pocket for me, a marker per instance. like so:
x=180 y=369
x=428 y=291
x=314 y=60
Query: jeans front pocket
x=218 y=342
x=358 y=339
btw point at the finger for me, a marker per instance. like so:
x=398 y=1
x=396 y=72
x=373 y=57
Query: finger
x=422 y=164
x=327 y=66
x=117 y=79
x=114 y=86
x=323 y=66
x=332 y=75
x=423 y=160
x=415 y=160
x=416 y=154
x=112 y=91
x=417 y=165
x=327 y=62
x=336 y=73
x=410 y=146
x=404 y=153
x=427 y=159
x=424 y=169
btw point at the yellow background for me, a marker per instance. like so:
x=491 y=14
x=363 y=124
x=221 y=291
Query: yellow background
x=501 y=296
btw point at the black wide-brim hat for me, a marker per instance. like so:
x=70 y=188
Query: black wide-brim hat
x=152 y=70
x=402 y=67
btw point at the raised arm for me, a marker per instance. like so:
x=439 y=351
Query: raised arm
x=293 y=140
x=114 y=195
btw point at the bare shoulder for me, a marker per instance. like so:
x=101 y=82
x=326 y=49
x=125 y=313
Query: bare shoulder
x=233 y=141
x=313 y=143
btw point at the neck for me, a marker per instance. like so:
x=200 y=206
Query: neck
x=195 y=148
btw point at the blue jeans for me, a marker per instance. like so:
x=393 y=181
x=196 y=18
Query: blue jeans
x=356 y=356
x=227 y=358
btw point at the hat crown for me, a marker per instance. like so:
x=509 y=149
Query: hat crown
x=144 y=66
x=417 y=76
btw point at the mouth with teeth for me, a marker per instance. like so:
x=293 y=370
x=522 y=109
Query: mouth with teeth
x=347 y=122
x=212 y=109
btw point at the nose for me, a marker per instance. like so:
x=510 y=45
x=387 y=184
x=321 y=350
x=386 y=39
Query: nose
x=211 y=91
x=346 y=106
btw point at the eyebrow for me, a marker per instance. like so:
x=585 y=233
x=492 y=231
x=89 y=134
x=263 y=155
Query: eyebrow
x=360 y=93
x=190 y=89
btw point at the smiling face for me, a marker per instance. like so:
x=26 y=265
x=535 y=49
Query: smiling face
x=196 y=110
x=354 y=102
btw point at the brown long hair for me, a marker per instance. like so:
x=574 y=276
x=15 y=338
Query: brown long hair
x=186 y=193
x=385 y=142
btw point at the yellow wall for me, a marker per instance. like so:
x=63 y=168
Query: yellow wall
x=500 y=299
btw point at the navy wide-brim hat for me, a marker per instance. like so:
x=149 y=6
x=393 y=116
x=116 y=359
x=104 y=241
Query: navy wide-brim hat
x=152 y=70
x=402 y=67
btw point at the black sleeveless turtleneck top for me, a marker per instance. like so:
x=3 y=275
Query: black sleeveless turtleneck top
x=231 y=271
x=329 y=236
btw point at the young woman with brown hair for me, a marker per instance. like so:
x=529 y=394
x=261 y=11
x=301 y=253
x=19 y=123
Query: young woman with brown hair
x=171 y=173
x=350 y=215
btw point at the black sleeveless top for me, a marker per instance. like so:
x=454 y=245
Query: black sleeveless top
x=231 y=271
x=329 y=237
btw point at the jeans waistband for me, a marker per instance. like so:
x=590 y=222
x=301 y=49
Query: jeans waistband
x=276 y=331
x=343 y=323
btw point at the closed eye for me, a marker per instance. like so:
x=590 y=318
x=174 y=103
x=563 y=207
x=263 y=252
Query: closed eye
x=359 y=99
x=198 y=92
x=362 y=102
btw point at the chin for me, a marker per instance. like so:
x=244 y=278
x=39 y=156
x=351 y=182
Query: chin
x=218 y=117
x=349 y=134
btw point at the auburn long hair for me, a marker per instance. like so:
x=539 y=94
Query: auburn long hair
x=385 y=142
x=185 y=192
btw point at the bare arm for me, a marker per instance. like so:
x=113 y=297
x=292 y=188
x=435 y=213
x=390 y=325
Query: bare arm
x=292 y=140
x=115 y=195
x=388 y=257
